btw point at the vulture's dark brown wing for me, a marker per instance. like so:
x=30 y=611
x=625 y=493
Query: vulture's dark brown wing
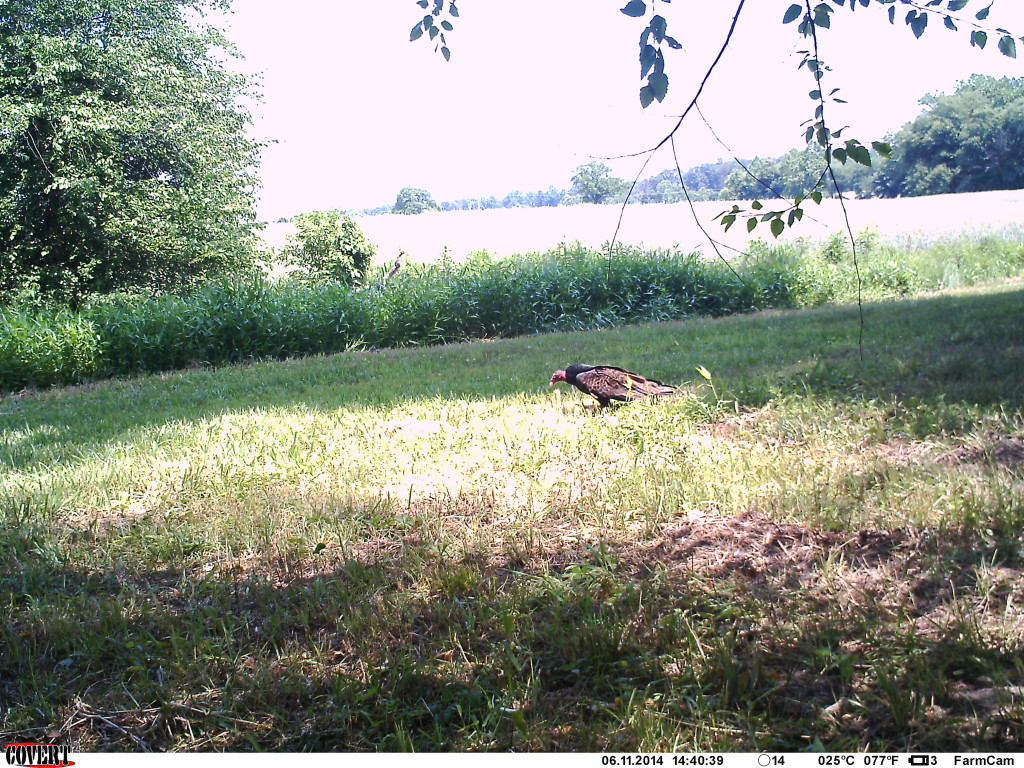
x=606 y=383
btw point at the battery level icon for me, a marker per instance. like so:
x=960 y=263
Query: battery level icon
x=919 y=759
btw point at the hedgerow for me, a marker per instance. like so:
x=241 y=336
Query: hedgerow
x=568 y=288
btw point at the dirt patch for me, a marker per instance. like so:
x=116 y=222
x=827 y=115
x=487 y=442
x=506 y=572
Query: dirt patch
x=731 y=424
x=755 y=548
x=901 y=453
x=1001 y=450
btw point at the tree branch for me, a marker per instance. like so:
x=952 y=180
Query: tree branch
x=835 y=183
x=650 y=152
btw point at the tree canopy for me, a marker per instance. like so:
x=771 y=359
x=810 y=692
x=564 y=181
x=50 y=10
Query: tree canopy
x=969 y=141
x=413 y=200
x=124 y=160
x=593 y=183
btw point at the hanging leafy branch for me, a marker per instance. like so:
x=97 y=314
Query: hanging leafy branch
x=833 y=145
x=652 y=58
x=654 y=38
x=428 y=25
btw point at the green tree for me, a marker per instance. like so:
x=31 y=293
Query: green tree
x=968 y=141
x=412 y=200
x=124 y=161
x=794 y=173
x=329 y=245
x=593 y=183
x=764 y=175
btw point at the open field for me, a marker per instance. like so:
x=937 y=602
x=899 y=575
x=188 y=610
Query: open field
x=521 y=230
x=430 y=549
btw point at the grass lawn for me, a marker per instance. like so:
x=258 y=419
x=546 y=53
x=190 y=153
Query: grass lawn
x=431 y=549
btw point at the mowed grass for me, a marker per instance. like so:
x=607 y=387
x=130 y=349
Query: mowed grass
x=430 y=549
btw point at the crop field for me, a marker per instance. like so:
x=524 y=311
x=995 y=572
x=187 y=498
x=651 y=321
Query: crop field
x=425 y=237
x=818 y=547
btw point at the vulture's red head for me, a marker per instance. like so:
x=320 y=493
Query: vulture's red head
x=557 y=376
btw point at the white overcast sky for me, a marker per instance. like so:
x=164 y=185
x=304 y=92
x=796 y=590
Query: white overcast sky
x=535 y=89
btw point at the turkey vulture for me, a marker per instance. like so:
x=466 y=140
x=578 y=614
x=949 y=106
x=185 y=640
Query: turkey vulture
x=608 y=382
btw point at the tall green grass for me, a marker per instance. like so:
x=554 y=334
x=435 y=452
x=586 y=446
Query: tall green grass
x=47 y=348
x=569 y=288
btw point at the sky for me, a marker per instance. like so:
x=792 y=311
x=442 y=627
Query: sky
x=354 y=111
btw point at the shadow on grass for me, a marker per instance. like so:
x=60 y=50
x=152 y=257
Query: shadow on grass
x=722 y=634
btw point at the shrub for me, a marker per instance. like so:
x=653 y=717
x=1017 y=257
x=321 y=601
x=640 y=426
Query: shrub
x=329 y=245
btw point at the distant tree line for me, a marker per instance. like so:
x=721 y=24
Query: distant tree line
x=967 y=141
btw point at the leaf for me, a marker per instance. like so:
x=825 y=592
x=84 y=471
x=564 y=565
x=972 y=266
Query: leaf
x=704 y=372
x=453 y=11
x=751 y=223
x=778 y=225
x=918 y=22
x=447 y=26
x=658 y=26
x=859 y=155
x=957 y=5
x=1008 y=46
x=446 y=53
x=892 y=14
x=648 y=55
x=658 y=81
x=983 y=13
x=815 y=95
x=979 y=38
x=792 y=13
x=635 y=8
x=822 y=16
x=728 y=220
x=422 y=3
x=646 y=96
x=673 y=43
x=757 y=205
x=816 y=196
x=883 y=148
x=517 y=717
x=839 y=154
x=417 y=32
